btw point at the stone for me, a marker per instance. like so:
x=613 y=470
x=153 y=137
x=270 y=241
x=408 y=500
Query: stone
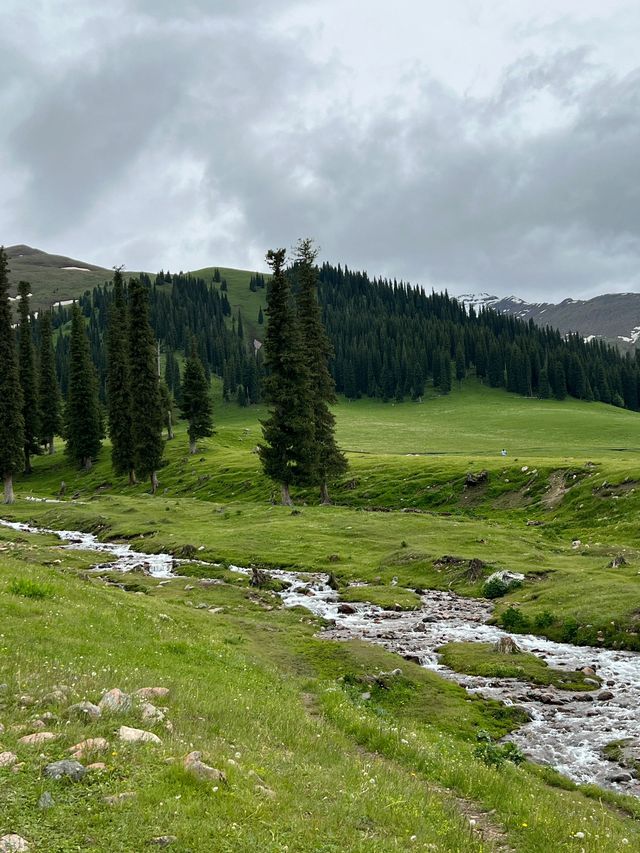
x=150 y=713
x=605 y=695
x=7 y=759
x=92 y=744
x=56 y=697
x=117 y=799
x=46 y=801
x=13 y=844
x=620 y=777
x=129 y=735
x=84 y=710
x=193 y=764
x=26 y=701
x=96 y=767
x=346 y=608
x=266 y=792
x=115 y=702
x=37 y=738
x=147 y=693
x=67 y=767
x=617 y=562
x=164 y=840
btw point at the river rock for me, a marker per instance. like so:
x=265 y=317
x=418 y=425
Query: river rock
x=7 y=759
x=84 y=710
x=148 y=693
x=605 y=695
x=37 y=739
x=129 y=735
x=66 y=768
x=115 y=702
x=347 y=609
x=13 y=844
x=193 y=764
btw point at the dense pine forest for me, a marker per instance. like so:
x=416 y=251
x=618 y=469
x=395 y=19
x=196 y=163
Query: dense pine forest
x=390 y=340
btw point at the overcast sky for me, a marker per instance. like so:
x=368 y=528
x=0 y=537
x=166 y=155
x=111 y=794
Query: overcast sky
x=479 y=145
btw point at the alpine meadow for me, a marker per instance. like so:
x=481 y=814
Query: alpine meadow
x=329 y=550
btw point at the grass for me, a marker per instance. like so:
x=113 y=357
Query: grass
x=256 y=693
x=482 y=659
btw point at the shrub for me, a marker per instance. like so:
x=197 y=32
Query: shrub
x=30 y=589
x=495 y=754
x=543 y=620
x=513 y=620
x=495 y=588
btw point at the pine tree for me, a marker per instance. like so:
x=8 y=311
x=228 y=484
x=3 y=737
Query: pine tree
x=445 y=372
x=260 y=316
x=11 y=419
x=146 y=413
x=83 y=420
x=28 y=380
x=330 y=461
x=196 y=398
x=287 y=454
x=118 y=384
x=49 y=396
x=461 y=368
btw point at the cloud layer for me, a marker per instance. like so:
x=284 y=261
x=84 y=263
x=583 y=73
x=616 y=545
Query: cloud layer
x=161 y=134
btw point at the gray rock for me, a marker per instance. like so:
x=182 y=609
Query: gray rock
x=346 y=608
x=605 y=695
x=84 y=710
x=130 y=735
x=46 y=801
x=115 y=702
x=193 y=764
x=67 y=767
x=13 y=844
x=164 y=840
x=117 y=799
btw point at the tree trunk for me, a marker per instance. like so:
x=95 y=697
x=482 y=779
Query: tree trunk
x=87 y=464
x=27 y=462
x=9 y=497
x=286 y=497
x=325 y=500
x=192 y=447
x=170 y=434
x=154 y=482
x=132 y=478
x=52 y=449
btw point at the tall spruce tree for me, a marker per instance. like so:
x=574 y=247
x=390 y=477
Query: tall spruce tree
x=11 y=419
x=49 y=392
x=28 y=379
x=287 y=454
x=196 y=399
x=119 y=383
x=329 y=460
x=146 y=412
x=83 y=418
x=166 y=403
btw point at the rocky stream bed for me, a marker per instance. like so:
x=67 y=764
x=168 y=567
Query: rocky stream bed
x=568 y=730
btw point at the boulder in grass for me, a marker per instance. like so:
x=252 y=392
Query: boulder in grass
x=193 y=764
x=92 y=744
x=84 y=710
x=507 y=646
x=7 y=759
x=129 y=735
x=151 y=714
x=148 y=693
x=37 y=738
x=13 y=844
x=67 y=768
x=115 y=702
x=164 y=840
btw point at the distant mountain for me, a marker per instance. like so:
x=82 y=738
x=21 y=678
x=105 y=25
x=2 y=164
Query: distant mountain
x=615 y=317
x=53 y=278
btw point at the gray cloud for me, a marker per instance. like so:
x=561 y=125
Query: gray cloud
x=179 y=138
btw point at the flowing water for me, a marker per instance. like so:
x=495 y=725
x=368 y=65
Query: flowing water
x=567 y=730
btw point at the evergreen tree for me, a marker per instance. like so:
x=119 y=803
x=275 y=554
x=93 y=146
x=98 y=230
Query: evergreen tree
x=83 y=420
x=118 y=384
x=146 y=413
x=445 y=372
x=330 y=461
x=28 y=380
x=11 y=419
x=196 y=399
x=461 y=368
x=287 y=454
x=49 y=396
x=260 y=316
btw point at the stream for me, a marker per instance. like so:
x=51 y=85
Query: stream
x=567 y=730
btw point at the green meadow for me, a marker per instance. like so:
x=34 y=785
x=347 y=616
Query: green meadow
x=310 y=765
